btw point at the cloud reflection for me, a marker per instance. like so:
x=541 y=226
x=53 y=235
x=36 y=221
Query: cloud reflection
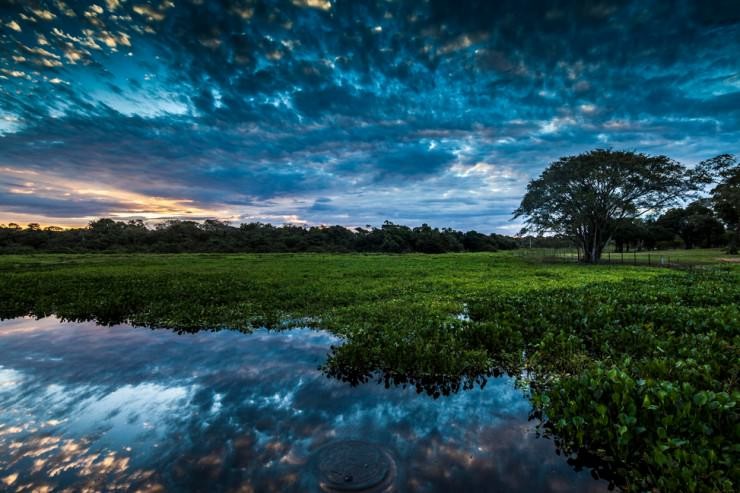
x=83 y=406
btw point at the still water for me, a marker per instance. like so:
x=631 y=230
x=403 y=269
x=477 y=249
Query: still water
x=87 y=407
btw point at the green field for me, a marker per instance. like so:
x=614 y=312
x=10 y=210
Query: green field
x=636 y=366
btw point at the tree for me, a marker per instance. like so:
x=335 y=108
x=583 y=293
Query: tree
x=696 y=225
x=630 y=233
x=658 y=236
x=585 y=197
x=725 y=195
x=702 y=228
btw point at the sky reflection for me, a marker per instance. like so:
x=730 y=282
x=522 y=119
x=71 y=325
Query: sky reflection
x=83 y=406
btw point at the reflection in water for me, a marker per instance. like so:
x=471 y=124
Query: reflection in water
x=87 y=407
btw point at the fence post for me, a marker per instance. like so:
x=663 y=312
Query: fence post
x=648 y=260
x=622 y=257
x=634 y=257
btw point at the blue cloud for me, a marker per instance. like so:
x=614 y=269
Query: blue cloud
x=260 y=107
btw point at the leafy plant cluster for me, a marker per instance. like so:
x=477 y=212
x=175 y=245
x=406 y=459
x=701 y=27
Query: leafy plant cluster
x=638 y=375
x=643 y=375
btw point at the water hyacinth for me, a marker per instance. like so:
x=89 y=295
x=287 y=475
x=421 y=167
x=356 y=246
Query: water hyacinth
x=632 y=370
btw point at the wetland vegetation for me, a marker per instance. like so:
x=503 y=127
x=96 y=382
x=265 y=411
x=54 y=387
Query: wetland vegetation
x=633 y=370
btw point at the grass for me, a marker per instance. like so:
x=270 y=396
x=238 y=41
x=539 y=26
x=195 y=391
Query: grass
x=682 y=256
x=694 y=255
x=634 y=366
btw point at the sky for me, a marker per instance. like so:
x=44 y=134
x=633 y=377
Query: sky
x=345 y=112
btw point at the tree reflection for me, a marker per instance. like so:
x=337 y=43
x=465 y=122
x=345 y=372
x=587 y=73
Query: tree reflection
x=351 y=364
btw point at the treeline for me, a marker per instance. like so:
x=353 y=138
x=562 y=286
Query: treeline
x=694 y=226
x=107 y=235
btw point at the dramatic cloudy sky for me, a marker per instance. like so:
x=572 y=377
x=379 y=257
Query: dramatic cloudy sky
x=345 y=111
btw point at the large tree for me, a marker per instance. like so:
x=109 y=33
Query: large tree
x=587 y=196
x=725 y=196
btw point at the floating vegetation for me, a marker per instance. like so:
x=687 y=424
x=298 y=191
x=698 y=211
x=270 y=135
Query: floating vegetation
x=630 y=367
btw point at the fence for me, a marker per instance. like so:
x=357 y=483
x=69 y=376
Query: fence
x=647 y=259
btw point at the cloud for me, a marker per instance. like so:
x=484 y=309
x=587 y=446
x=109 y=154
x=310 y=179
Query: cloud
x=260 y=108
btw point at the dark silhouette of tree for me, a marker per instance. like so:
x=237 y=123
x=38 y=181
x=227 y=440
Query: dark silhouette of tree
x=585 y=197
x=696 y=225
x=108 y=235
x=630 y=234
x=725 y=195
x=658 y=236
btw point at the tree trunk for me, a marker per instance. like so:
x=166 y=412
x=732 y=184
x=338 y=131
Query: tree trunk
x=592 y=248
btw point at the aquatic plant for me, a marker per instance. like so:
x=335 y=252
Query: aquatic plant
x=634 y=368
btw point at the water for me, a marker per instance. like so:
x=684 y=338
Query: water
x=132 y=409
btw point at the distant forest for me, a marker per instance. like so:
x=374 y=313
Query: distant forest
x=693 y=226
x=107 y=235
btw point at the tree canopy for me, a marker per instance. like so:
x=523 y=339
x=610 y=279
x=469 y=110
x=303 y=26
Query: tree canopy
x=586 y=197
x=725 y=171
x=107 y=235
